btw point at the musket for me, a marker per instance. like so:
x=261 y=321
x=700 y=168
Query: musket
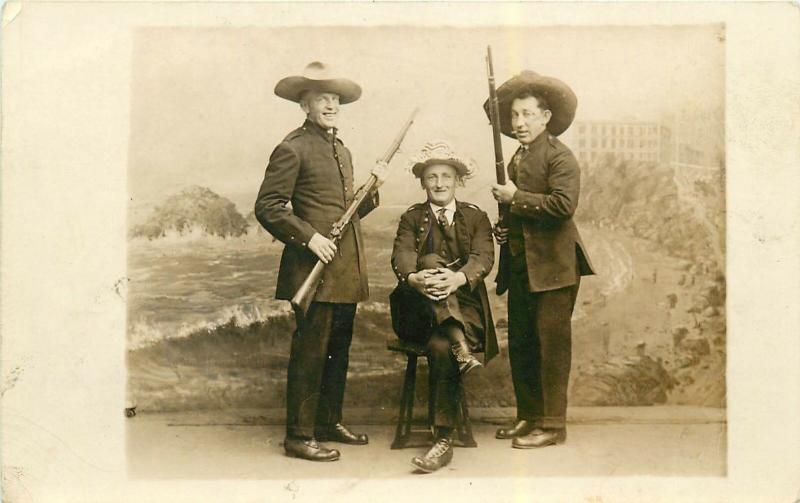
x=500 y=171
x=305 y=295
x=494 y=118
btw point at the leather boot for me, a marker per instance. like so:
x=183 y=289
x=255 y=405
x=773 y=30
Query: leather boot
x=522 y=427
x=308 y=449
x=342 y=434
x=439 y=455
x=550 y=436
x=466 y=361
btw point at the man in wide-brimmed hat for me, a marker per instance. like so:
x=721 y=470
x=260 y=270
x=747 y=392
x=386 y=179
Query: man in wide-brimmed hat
x=547 y=256
x=308 y=185
x=442 y=251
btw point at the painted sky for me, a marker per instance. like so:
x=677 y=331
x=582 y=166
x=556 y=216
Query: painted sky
x=203 y=111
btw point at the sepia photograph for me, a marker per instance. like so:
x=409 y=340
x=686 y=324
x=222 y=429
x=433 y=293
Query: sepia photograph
x=602 y=313
x=399 y=251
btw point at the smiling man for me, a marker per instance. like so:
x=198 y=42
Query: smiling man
x=547 y=254
x=442 y=251
x=312 y=170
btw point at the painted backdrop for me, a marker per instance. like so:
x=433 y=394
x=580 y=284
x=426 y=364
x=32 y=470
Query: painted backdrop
x=203 y=329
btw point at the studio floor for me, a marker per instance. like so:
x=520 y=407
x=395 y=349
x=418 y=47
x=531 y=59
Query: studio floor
x=658 y=441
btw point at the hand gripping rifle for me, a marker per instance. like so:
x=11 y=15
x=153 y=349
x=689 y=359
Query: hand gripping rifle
x=305 y=295
x=500 y=170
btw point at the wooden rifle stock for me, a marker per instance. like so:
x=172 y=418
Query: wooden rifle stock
x=305 y=294
x=500 y=171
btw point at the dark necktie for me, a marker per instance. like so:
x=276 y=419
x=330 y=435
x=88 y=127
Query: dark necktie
x=442 y=218
x=522 y=152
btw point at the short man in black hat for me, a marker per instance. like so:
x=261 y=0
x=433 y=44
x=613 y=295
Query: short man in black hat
x=442 y=252
x=546 y=253
x=312 y=170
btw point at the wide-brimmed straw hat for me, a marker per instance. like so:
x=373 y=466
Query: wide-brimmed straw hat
x=560 y=99
x=440 y=152
x=318 y=76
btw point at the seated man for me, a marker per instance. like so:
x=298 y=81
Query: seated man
x=442 y=252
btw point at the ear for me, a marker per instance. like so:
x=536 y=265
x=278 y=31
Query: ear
x=547 y=114
x=304 y=106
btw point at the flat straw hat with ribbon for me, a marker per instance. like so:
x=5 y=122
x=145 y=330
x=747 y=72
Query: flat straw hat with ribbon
x=560 y=98
x=440 y=152
x=319 y=77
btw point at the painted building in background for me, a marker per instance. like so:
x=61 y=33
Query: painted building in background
x=633 y=141
x=680 y=138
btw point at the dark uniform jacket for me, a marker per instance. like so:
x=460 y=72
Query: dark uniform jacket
x=474 y=234
x=548 y=178
x=306 y=189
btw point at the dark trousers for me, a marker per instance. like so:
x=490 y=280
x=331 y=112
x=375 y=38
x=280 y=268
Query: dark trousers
x=318 y=368
x=540 y=347
x=443 y=379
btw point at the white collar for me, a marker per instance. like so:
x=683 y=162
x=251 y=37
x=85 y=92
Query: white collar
x=449 y=210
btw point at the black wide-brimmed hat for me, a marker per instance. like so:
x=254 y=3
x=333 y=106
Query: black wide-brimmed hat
x=560 y=99
x=318 y=77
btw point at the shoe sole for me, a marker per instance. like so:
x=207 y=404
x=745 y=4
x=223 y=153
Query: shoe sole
x=323 y=439
x=471 y=368
x=297 y=456
x=428 y=470
x=509 y=437
x=554 y=442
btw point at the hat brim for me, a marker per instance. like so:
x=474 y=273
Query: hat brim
x=460 y=167
x=560 y=98
x=292 y=88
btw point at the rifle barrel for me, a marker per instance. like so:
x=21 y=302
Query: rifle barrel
x=395 y=146
x=494 y=118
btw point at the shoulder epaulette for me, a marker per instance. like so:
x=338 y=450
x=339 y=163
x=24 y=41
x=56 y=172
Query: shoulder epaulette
x=415 y=207
x=294 y=134
x=470 y=205
x=560 y=147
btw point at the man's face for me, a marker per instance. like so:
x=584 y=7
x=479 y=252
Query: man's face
x=527 y=119
x=439 y=181
x=321 y=108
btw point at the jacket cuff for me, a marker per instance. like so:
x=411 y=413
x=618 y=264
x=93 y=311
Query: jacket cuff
x=401 y=273
x=302 y=236
x=474 y=274
x=527 y=204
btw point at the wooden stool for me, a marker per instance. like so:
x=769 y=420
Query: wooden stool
x=406 y=435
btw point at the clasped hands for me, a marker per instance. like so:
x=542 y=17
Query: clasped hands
x=437 y=284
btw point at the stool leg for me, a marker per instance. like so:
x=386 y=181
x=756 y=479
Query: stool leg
x=431 y=401
x=406 y=415
x=464 y=425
